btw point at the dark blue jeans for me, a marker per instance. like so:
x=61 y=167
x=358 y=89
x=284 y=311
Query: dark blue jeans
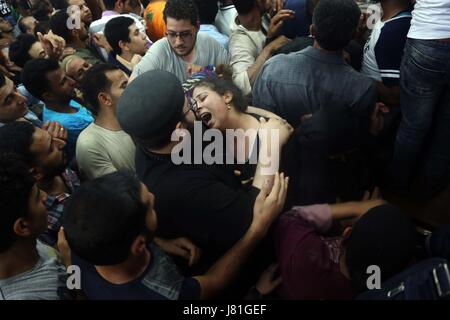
x=424 y=132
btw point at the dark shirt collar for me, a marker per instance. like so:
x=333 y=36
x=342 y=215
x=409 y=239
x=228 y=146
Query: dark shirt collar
x=155 y=156
x=325 y=56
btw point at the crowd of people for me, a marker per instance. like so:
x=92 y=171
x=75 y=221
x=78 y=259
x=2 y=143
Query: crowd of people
x=98 y=96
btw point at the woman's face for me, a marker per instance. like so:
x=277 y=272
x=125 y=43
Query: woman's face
x=212 y=107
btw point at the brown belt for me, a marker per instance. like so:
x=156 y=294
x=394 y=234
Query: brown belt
x=444 y=40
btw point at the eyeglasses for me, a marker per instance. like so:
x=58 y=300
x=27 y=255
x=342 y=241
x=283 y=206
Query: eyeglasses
x=192 y=106
x=184 y=35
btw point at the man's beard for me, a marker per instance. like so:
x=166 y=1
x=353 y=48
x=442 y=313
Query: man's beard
x=57 y=170
x=185 y=54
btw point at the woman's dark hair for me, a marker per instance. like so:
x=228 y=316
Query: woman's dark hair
x=221 y=86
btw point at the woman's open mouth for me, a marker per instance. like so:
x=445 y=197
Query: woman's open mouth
x=206 y=118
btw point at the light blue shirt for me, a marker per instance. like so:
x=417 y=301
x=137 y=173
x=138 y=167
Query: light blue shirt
x=214 y=33
x=73 y=122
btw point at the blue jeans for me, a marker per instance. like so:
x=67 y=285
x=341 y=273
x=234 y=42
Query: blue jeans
x=425 y=104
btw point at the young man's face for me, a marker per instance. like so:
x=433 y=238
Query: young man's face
x=132 y=6
x=85 y=12
x=119 y=81
x=181 y=35
x=37 y=216
x=77 y=67
x=83 y=31
x=12 y=104
x=37 y=51
x=138 y=40
x=30 y=24
x=62 y=87
x=49 y=158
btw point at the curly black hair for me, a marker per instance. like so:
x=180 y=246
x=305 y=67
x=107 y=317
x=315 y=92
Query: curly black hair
x=181 y=10
x=103 y=218
x=16 y=183
x=335 y=23
x=18 y=50
x=17 y=137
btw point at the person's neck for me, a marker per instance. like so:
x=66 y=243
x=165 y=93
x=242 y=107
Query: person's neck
x=21 y=257
x=62 y=107
x=166 y=149
x=251 y=21
x=77 y=44
x=126 y=271
x=391 y=8
x=53 y=185
x=238 y=120
x=317 y=46
x=126 y=56
x=342 y=266
x=108 y=120
x=189 y=58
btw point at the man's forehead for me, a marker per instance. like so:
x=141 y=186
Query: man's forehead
x=76 y=63
x=178 y=25
x=132 y=27
x=116 y=76
x=6 y=89
x=76 y=2
x=28 y=19
x=56 y=75
x=40 y=137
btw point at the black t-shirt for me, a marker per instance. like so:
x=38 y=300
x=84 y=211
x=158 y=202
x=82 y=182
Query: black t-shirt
x=205 y=203
x=160 y=281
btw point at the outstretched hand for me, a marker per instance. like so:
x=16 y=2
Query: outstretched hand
x=181 y=247
x=269 y=204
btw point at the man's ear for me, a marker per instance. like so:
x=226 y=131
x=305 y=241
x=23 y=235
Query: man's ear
x=312 y=31
x=47 y=96
x=104 y=99
x=123 y=46
x=37 y=174
x=75 y=33
x=119 y=5
x=138 y=246
x=21 y=228
x=346 y=233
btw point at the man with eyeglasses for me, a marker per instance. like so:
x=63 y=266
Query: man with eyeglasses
x=183 y=46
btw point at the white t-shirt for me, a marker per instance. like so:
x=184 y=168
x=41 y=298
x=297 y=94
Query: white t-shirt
x=224 y=19
x=431 y=20
x=384 y=49
x=98 y=26
x=245 y=46
x=161 y=57
x=101 y=151
x=45 y=281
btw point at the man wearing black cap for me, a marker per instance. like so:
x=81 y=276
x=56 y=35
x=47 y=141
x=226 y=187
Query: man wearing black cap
x=315 y=265
x=206 y=203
